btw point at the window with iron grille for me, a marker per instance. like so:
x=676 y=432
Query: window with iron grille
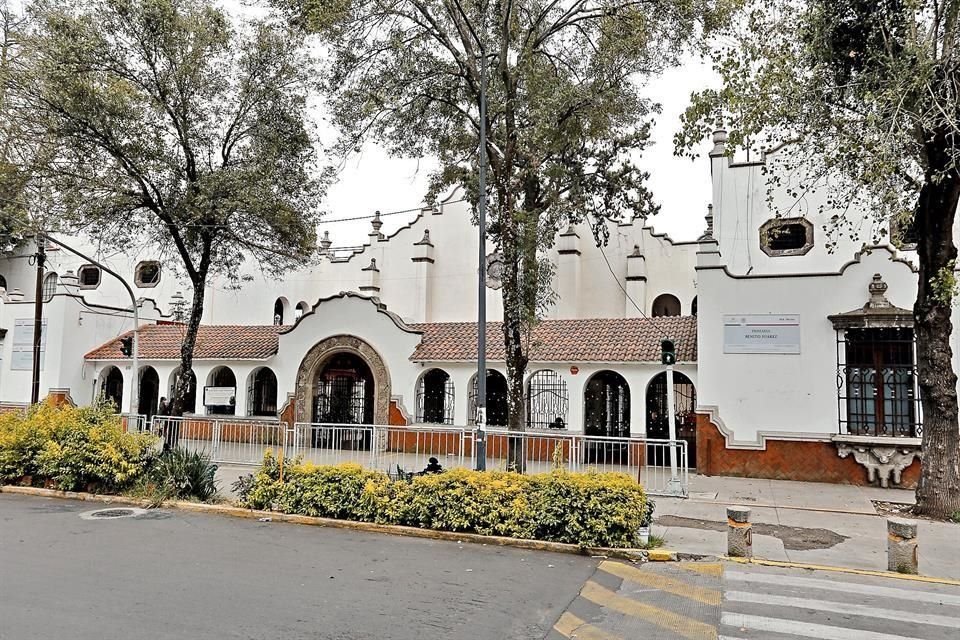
x=262 y=393
x=89 y=276
x=147 y=274
x=435 y=398
x=547 y=401
x=877 y=382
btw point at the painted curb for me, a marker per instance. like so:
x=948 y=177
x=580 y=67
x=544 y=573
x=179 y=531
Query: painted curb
x=851 y=570
x=633 y=555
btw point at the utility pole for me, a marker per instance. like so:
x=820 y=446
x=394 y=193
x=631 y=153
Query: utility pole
x=41 y=258
x=482 y=276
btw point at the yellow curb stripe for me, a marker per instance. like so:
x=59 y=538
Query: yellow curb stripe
x=570 y=626
x=661 y=582
x=856 y=572
x=714 y=569
x=680 y=625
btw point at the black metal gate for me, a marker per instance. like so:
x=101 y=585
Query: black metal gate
x=606 y=413
x=343 y=395
x=547 y=401
x=658 y=426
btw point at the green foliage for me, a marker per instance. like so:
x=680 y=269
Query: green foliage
x=589 y=509
x=181 y=474
x=177 y=128
x=73 y=448
x=956 y=517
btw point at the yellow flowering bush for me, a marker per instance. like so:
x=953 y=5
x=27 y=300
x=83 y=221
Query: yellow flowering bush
x=73 y=448
x=588 y=509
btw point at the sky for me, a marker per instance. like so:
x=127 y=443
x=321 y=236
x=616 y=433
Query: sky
x=372 y=181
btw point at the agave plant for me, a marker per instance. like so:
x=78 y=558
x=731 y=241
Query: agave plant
x=185 y=474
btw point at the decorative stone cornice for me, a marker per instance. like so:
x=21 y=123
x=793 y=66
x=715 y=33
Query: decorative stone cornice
x=878 y=312
x=884 y=458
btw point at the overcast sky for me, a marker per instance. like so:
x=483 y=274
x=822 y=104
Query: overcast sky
x=373 y=181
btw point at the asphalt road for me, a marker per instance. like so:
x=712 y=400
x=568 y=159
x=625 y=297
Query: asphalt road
x=168 y=574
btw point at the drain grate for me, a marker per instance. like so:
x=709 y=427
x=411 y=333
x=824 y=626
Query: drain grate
x=111 y=514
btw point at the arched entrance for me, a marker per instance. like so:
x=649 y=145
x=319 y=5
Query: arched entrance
x=343 y=391
x=606 y=413
x=685 y=402
x=362 y=393
x=497 y=406
x=111 y=386
x=149 y=391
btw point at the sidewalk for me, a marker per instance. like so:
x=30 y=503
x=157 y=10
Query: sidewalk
x=806 y=522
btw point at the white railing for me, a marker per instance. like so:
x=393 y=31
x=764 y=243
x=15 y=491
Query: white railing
x=660 y=465
x=134 y=422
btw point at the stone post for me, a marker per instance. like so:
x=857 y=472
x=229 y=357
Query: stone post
x=739 y=535
x=902 y=545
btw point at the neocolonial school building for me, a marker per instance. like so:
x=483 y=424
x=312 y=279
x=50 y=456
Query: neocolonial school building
x=795 y=357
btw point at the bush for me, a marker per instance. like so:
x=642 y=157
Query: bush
x=73 y=448
x=181 y=474
x=589 y=509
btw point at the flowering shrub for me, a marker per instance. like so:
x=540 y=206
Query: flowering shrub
x=73 y=448
x=588 y=509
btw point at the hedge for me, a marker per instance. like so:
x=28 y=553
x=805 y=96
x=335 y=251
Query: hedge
x=71 y=449
x=588 y=509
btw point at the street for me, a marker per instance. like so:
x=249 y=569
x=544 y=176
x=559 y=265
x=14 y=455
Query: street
x=170 y=574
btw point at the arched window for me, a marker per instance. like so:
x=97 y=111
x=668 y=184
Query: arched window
x=606 y=405
x=497 y=407
x=685 y=420
x=49 y=286
x=262 y=393
x=693 y=306
x=665 y=305
x=190 y=402
x=222 y=399
x=3 y=282
x=278 y=311
x=111 y=386
x=435 y=397
x=302 y=308
x=547 y=401
x=149 y=390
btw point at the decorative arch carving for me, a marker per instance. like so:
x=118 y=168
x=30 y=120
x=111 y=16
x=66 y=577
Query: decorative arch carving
x=320 y=354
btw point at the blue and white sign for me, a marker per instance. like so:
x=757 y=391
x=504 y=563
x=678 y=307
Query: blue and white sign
x=761 y=333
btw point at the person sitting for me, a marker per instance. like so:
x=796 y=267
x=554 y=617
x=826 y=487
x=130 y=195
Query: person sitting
x=433 y=466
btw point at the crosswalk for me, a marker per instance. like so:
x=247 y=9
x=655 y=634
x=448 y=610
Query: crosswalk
x=776 y=604
x=713 y=601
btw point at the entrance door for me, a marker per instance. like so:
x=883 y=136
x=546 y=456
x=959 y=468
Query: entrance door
x=606 y=413
x=343 y=396
x=658 y=426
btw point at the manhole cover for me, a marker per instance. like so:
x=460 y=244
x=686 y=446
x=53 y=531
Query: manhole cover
x=112 y=514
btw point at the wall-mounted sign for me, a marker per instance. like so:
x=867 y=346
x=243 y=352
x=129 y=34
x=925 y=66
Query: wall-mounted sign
x=574 y=370
x=22 y=357
x=761 y=333
x=219 y=396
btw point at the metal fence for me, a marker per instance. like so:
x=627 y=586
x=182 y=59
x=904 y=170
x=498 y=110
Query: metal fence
x=662 y=466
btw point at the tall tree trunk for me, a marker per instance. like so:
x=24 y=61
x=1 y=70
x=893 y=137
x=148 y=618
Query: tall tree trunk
x=182 y=389
x=516 y=359
x=938 y=493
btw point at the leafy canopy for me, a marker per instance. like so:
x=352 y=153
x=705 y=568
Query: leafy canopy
x=175 y=127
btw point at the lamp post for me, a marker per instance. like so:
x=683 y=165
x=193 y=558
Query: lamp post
x=482 y=276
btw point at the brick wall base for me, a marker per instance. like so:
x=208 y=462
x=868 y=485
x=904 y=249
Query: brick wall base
x=783 y=460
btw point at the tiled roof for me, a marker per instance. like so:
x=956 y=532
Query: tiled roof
x=590 y=340
x=214 y=342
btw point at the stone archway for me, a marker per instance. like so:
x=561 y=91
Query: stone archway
x=323 y=351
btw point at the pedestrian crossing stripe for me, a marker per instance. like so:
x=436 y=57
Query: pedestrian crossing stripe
x=570 y=626
x=662 y=582
x=680 y=625
x=803 y=629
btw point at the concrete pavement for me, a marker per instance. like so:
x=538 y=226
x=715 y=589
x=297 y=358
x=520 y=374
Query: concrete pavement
x=806 y=522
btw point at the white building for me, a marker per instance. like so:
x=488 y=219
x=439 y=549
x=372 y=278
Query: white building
x=776 y=378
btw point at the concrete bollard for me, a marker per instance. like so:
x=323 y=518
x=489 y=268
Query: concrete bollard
x=739 y=535
x=902 y=546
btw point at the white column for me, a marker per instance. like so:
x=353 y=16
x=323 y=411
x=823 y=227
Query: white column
x=423 y=259
x=569 y=278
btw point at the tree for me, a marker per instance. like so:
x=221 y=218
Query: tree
x=176 y=128
x=870 y=91
x=565 y=120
